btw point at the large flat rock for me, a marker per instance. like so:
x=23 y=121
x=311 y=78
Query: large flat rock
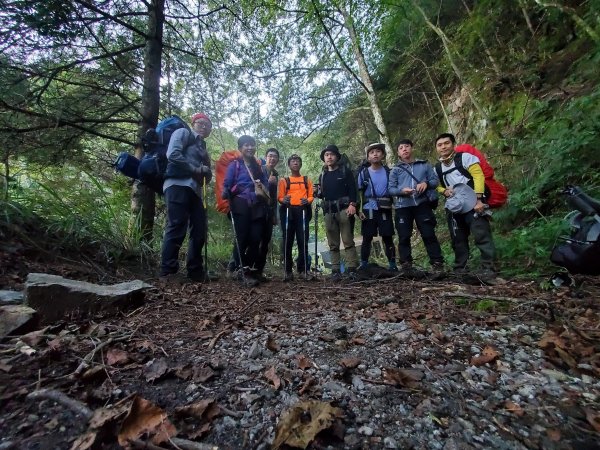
x=11 y=297
x=17 y=319
x=53 y=296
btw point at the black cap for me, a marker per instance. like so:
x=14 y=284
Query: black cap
x=333 y=149
x=294 y=156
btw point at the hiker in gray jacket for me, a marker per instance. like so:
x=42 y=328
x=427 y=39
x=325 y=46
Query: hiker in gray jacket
x=413 y=181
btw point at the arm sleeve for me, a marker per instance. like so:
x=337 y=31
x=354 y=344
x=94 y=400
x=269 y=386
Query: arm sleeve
x=478 y=178
x=351 y=183
x=311 y=192
x=281 y=190
x=393 y=188
x=229 y=180
x=431 y=178
x=175 y=154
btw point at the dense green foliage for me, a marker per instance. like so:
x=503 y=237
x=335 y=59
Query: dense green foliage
x=516 y=79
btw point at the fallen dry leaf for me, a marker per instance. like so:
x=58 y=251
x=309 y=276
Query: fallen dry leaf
x=553 y=434
x=203 y=374
x=358 y=341
x=116 y=356
x=206 y=409
x=155 y=369
x=513 y=408
x=304 y=362
x=273 y=378
x=402 y=377
x=145 y=418
x=488 y=354
x=349 y=363
x=272 y=344
x=33 y=338
x=300 y=424
x=593 y=417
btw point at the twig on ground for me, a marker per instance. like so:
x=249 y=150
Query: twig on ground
x=214 y=340
x=90 y=356
x=59 y=397
x=483 y=297
x=138 y=443
x=230 y=412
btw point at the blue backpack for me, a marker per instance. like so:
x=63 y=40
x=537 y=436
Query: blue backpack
x=153 y=165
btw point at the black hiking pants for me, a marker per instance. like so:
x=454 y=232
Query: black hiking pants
x=461 y=226
x=185 y=213
x=294 y=228
x=424 y=217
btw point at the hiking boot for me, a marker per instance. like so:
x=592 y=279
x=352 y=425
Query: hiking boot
x=392 y=267
x=411 y=273
x=364 y=265
x=487 y=277
x=246 y=279
x=172 y=279
x=437 y=271
x=260 y=277
x=197 y=277
x=289 y=276
x=335 y=277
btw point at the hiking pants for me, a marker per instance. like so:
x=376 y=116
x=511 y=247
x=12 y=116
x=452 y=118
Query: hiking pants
x=336 y=225
x=460 y=226
x=424 y=217
x=265 y=240
x=295 y=229
x=185 y=212
x=377 y=222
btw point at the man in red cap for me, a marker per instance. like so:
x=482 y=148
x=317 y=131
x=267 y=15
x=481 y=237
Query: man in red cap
x=188 y=171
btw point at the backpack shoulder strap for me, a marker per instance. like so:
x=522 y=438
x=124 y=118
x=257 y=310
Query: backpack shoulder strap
x=458 y=162
x=438 y=171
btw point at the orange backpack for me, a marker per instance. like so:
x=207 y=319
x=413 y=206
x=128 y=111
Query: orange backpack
x=220 y=170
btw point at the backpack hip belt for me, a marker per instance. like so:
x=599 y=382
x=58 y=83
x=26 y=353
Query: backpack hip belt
x=335 y=206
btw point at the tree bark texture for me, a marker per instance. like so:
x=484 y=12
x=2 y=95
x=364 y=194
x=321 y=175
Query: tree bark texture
x=143 y=199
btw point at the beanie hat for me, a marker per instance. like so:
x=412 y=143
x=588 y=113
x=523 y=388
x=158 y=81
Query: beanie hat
x=333 y=149
x=374 y=145
x=200 y=115
x=294 y=156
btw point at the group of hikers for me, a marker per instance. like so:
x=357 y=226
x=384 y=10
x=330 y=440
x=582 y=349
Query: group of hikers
x=386 y=201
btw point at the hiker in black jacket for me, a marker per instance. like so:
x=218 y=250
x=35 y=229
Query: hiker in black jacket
x=338 y=191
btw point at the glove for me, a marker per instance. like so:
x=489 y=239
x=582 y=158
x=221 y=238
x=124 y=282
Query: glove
x=304 y=201
x=286 y=200
x=201 y=172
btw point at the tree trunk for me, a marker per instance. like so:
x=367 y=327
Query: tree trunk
x=367 y=81
x=143 y=199
x=6 y=174
x=463 y=81
x=576 y=18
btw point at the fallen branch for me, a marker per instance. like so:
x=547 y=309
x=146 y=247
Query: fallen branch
x=59 y=397
x=85 y=363
x=214 y=340
x=184 y=444
x=483 y=297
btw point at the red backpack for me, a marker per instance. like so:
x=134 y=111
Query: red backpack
x=496 y=193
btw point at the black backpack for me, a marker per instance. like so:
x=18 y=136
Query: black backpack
x=153 y=165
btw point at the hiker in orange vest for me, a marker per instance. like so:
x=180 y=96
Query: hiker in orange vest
x=295 y=197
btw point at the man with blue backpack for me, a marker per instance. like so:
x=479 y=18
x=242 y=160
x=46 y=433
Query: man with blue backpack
x=186 y=175
x=376 y=206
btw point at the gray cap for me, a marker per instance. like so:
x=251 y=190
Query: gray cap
x=463 y=200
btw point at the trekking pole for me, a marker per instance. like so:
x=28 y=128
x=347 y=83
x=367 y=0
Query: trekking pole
x=237 y=245
x=285 y=239
x=316 y=233
x=206 y=277
x=304 y=243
